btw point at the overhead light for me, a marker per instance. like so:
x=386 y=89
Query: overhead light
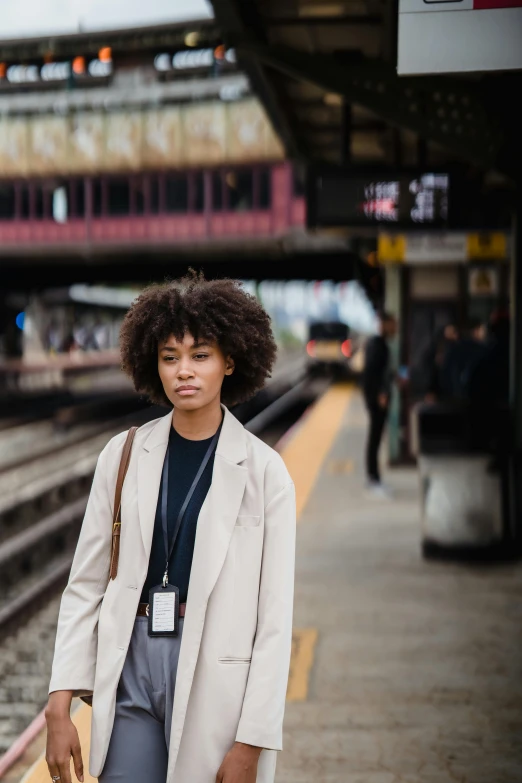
x=200 y=58
x=105 y=54
x=17 y=74
x=192 y=39
x=100 y=69
x=55 y=72
x=163 y=62
x=78 y=65
x=333 y=99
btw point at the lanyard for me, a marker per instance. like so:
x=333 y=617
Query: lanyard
x=164 y=496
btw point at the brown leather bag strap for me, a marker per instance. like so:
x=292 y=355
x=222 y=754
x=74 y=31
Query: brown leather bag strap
x=116 y=517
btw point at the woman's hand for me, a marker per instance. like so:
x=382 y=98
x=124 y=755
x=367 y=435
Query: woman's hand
x=62 y=738
x=239 y=765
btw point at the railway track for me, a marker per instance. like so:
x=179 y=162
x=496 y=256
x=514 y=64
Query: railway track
x=40 y=519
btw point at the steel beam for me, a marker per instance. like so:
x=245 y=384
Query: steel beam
x=451 y=112
x=242 y=23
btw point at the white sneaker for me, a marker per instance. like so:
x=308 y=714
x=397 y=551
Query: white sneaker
x=379 y=490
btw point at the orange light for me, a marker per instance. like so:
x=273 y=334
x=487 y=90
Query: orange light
x=3 y=70
x=105 y=54
x=78 y=65
x=219 y=52
x=346 y=348
x=310 y=348
x=48 y=57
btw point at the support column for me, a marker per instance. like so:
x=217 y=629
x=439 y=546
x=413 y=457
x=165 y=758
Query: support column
x=393 y=304
x=515 y=522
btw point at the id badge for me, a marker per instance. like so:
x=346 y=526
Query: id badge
x=163 y=611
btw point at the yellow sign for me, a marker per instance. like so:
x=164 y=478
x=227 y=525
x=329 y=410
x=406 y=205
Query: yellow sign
x=487 y=246
x=483 y=281
x=441 y=247
x=391 y=248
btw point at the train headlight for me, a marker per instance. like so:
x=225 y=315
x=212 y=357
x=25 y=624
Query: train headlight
x=346 y=348
x=310 y=348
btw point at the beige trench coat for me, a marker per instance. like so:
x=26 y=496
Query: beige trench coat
x=235 y=650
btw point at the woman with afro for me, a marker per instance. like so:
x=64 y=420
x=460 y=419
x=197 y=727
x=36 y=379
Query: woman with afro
x=176 y=621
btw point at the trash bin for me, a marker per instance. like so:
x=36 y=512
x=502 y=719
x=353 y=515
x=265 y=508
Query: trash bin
x=462 y=484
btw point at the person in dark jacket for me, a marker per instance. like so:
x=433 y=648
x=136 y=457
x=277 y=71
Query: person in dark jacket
x=377 y=378
x=435 y=365
x=488 y=377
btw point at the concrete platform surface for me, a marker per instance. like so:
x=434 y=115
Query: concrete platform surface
x=415 y=670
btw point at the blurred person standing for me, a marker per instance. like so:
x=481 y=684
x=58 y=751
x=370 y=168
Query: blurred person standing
x=463 y=357
x=180 y=635
x=436 y=382
x=488 y=377
x=487 y=387
x=377 y=378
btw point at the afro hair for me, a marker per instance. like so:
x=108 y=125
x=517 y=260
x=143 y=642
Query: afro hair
x=219 y=311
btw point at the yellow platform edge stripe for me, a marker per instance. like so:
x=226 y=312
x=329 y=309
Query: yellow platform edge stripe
x=303 y=649
x=304 y=456
x=307 y=450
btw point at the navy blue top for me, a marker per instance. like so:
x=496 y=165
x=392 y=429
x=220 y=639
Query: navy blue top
x=185 y=457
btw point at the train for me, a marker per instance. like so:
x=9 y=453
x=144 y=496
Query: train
x=332 y=349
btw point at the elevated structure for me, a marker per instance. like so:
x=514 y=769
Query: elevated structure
x=144 y=146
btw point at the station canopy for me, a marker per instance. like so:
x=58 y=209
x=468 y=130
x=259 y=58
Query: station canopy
x=327 y=75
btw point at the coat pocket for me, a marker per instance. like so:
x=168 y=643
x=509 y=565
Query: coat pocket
x=231 y=659
x=245 y=520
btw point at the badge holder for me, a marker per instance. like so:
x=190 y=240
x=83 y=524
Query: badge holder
x=163 y=611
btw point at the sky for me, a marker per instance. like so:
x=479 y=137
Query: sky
x=21 y=18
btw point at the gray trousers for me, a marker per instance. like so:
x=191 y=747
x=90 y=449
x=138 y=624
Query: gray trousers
x=138 y=748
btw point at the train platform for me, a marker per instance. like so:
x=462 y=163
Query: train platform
x=415 y=671
x=403 y=670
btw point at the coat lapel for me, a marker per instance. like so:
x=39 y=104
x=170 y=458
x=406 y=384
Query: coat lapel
x=216 y=523
x=219 y=512
x=150 y=465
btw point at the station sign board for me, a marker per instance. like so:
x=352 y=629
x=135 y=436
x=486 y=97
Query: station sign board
x=454 y=36
x=441 y=247
x=339 y=197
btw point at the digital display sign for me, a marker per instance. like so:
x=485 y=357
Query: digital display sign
x=342 y=198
